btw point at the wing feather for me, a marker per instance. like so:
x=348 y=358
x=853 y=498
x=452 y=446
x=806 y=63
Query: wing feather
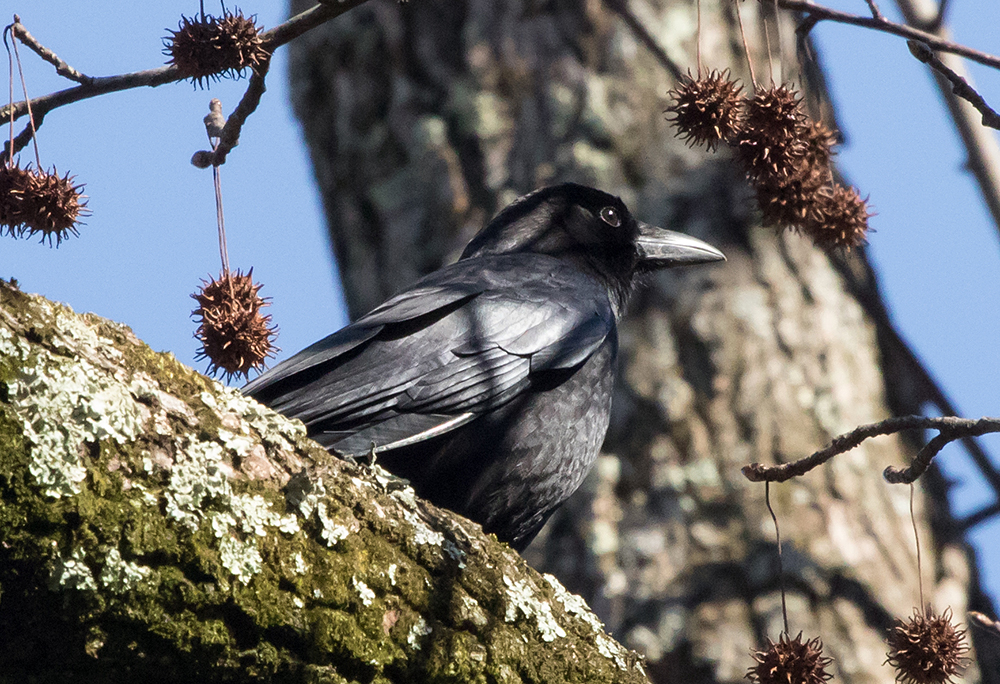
x=463 y=341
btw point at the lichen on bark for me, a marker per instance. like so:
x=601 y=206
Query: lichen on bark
x=155 y=524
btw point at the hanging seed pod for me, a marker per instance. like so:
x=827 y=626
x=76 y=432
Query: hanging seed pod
x=819 y=141
x=210 y=48
x=927 y=649
x=771 y=141
x=838 y=217
x=789 y=202
x=790 y=660
x=706 y=111
x=235 y=336
x=37 y=202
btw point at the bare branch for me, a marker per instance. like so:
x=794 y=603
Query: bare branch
x=230 y=137
x=960 y=86
x=985 y=622
x=815 y=13
x=620 y=8
x=62 y=68
x=938 y=21
x=982 y=515
x=980 y=143
x=95 y=86
x=876 y=12
x=950 y=428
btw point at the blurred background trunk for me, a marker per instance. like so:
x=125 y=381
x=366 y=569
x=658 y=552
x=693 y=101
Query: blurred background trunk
x=425 y=118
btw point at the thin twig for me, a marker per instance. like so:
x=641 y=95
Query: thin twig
x=982 y=515
x=916 y=539
x=215 y=124
x=620 y=8
x=767 y=42
x=24 y=89
x=781 y=43
x=698 y=38
x=274 y=38
x=781 y=568
x=10 y=89
x=950 y=428
x=230 y=137
x=960 y=86
x=816 y=13
x=876 y=12
x=980 y=143
x=220 y=220
x=62 y=68
x=746 y=48
x=985 y=622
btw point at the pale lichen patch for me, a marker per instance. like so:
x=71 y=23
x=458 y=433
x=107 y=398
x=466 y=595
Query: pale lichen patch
x=422 y=532
x=197 y=474
x=241 y=558
x=273 y=428
x=120 y=575
x=310 y=498
x=521 y=599
x=612 y=650
x=573 y=604
x=72 y=573
x=419 y=630
x=364 y=592
x=470 y=611
x=63 y=404
x=200 y=489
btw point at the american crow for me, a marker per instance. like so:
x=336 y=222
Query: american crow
x=487 y=383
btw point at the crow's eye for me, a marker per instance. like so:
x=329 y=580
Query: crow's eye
x=610 y=216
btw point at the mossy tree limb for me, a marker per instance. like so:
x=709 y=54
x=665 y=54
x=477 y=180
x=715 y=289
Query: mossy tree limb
x=157 y=526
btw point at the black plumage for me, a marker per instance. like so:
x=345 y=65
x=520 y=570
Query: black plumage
x=488 y=383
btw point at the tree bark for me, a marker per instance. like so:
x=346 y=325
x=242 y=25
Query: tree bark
x=424 y=118
x=156 y=526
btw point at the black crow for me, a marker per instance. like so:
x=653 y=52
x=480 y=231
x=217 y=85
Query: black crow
x=487 y=384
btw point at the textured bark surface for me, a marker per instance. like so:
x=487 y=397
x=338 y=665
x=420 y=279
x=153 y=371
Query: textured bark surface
x=424 y=118
x=156 y=526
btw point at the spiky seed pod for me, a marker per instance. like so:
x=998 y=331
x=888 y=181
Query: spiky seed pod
x=706 y=111
x=209 y=48
x=838 y=217
x=927 y=648
x=38 y=202
x=790 y=660
x=13 y=182
x=235 y=336
x=789 y=202
x=771 y=139
x=819 y=141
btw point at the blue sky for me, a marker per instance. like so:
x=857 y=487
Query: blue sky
x=152 y=235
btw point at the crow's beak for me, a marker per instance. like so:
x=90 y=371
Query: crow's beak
x=661 y=248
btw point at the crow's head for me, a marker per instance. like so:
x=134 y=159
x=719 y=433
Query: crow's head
x=592 y=229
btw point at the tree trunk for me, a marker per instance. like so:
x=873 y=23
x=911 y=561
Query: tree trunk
x=424 y=118
x=156 y=526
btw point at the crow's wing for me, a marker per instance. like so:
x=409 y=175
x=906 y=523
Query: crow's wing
x=464 y=340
